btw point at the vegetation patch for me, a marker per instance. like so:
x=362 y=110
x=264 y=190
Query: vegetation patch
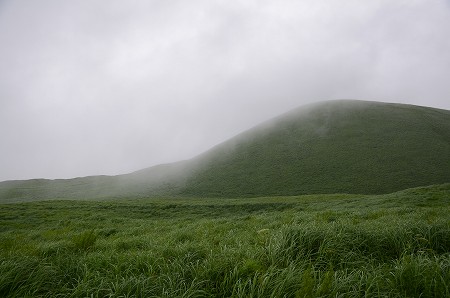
x=85 y=240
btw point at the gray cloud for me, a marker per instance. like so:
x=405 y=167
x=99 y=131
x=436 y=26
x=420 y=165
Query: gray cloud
x=108 y=87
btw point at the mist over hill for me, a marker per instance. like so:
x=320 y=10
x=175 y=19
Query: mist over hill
x=343 y=146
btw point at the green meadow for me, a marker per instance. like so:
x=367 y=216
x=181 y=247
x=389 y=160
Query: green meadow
x=393 y=245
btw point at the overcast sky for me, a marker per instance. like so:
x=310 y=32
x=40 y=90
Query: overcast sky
x=111 y=86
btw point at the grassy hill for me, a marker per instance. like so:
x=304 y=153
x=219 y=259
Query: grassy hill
x=332 y=147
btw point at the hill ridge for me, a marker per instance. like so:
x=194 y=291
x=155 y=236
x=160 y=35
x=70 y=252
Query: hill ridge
x=341 y=146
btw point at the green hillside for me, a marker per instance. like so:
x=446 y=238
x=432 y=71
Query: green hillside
x=333 y=147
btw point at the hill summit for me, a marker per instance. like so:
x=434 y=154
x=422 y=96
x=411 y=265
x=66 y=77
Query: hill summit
x=331 y=147
x=342 y=146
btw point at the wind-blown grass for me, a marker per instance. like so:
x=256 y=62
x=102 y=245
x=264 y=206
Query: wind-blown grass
x=395 y=245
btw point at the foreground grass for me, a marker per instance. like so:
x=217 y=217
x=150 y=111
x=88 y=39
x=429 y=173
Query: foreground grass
x=394 y=245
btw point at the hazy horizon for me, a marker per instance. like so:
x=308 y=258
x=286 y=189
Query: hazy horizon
x=110 y=87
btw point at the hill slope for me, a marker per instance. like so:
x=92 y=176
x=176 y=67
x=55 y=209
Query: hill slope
x=332 y=147
x=337 y=146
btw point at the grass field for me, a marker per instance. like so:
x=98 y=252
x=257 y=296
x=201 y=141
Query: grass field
x=395 y=245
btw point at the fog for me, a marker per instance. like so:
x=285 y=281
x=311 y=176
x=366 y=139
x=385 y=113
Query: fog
x=110 y=87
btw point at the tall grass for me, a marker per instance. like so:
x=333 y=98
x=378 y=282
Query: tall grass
x=315 y=246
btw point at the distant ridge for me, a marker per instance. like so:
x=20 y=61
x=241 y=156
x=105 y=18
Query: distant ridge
x=343 y=146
